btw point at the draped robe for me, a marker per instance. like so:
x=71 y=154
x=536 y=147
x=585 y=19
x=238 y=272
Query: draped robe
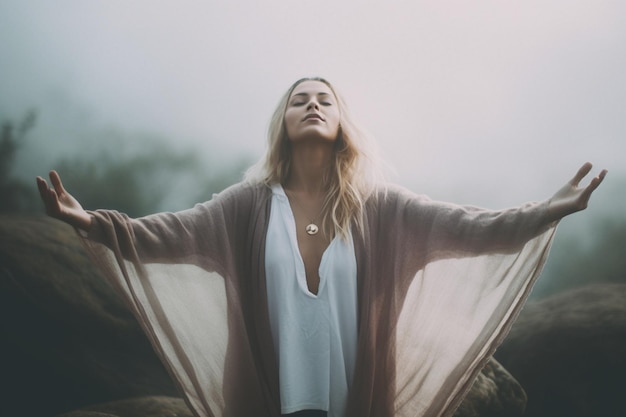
x=438 y=284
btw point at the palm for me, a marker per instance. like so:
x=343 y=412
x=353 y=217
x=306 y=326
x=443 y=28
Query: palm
x=59 y=203
x=68 y=204
x=572 y=198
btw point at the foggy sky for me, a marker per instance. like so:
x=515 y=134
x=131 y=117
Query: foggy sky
x=484 y=102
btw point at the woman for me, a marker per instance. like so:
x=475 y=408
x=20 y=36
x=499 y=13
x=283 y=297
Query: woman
x=311 y=288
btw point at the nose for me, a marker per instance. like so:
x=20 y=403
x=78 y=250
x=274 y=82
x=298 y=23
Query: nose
x=313 y=104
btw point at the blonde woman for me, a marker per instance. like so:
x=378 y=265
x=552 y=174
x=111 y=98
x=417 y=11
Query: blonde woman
x=314 y=289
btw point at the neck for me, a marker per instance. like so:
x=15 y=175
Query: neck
x=310 y=162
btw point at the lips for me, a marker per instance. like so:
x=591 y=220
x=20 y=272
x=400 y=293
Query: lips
x=313 y=116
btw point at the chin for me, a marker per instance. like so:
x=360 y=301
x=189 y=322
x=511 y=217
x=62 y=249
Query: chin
x=313 y=137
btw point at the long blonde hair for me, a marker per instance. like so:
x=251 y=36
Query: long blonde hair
x=353 y=176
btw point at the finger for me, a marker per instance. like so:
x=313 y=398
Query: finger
x=582 y=172
x=44 y=190
x=55 y=178
x=603 y=174
x=594 y=183
x=48 y=195
x=42 y=185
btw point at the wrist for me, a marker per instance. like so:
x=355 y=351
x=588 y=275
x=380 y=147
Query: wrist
x=81 y=221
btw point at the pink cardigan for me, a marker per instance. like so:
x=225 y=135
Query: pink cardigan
x=439 y=286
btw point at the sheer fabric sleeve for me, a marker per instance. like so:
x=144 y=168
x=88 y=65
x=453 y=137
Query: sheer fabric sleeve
x=446 y=284
x=441 y=229
x=173 y=270
x=477 y=270
x=196 y=236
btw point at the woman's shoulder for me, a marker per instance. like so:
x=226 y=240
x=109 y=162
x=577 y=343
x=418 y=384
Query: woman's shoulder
x=391 y=193
x=242 y=191
x=244 y=187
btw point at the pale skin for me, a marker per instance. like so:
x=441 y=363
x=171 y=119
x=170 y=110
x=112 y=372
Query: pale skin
x=312 y=123
x=312 y=120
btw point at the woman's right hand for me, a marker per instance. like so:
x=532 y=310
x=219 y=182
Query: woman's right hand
x=60 y=204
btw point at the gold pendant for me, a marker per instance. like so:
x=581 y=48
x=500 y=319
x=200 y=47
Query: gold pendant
x=312 y=229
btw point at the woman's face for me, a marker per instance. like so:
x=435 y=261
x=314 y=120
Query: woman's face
x=312 y=113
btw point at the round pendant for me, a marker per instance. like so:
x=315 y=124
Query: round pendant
x=312 y=229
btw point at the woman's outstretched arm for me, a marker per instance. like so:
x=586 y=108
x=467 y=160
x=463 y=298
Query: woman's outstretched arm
x=443 y=230
x=60 y=204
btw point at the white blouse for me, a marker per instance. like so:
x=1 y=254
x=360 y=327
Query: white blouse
x=314 y=336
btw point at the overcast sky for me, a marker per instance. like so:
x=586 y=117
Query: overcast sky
x=484 y=102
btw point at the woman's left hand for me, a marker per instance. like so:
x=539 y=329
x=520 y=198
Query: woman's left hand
x=572 y=198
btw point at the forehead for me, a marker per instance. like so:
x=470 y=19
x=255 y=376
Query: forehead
x=311 y=88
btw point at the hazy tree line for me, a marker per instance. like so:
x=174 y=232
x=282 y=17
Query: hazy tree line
x=583 y=257
x=160 y=178
x=157 y=178
x=14 y=194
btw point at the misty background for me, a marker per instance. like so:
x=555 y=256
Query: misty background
x=151 y=105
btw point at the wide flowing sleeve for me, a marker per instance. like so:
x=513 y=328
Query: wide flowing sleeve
x=447 y=282
x=174 y=271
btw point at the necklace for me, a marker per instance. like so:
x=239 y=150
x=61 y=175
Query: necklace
x=311 y=228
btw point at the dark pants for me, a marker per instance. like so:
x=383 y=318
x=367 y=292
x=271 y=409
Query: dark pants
x=307 y=413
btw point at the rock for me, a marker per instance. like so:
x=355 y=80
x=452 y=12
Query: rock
x=151 y=406
x=495 y=393
x=68 y=340
x=569 y=353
